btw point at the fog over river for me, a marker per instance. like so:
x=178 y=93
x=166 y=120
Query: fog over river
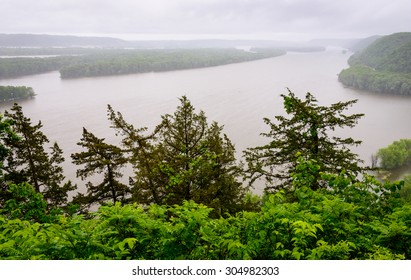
x=237 y=96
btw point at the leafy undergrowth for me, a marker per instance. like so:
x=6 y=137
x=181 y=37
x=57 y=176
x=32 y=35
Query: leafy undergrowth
x=349 y=220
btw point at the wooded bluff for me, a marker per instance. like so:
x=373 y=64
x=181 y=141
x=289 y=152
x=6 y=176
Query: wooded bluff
x=384 y=66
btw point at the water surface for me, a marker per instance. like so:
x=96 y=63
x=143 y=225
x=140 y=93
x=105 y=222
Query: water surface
x=237 y=96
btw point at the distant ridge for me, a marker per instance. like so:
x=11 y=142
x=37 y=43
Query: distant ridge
x=69 y=41
x=39 y=40
x=72 y=41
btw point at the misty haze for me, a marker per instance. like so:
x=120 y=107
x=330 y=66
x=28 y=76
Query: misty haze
x=192 y=129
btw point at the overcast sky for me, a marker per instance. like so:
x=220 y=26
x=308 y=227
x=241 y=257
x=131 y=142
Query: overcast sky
x=270 y=19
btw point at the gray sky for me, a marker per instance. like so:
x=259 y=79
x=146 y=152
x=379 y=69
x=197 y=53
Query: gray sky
x=269 y=19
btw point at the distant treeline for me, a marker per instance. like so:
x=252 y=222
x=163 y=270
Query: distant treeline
x=159 y=60
x=58 y=42
x=22 y=66
x=384 y=66
x=395 y=155
x=45 y=40
x=9 y=93
x=48 y=51
x=118 y=62
x=366 y=78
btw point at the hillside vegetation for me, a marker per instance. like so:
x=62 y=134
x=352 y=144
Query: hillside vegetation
x=188 y=197
x=384 y=66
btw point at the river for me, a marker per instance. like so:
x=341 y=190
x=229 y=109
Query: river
x=237 y=96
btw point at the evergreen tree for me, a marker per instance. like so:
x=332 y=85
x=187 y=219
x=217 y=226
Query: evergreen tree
x=185 y=158
x=5 y=133
x=141 y=155
x=305 y=134
x=197 y=160
x=100 y=157
x=28 y=161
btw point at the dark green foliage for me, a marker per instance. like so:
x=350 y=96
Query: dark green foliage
x=28 y=155
x=5 y=133
x=189 y=201
x=406 y=190
x=395 y=155
x=197 y=161
x=142 y=157
x=384 y=66
x=104 y=62
x=25 y=203
x=21 y=66
x=366 y=78
x=28 y=161
x=100 y=157
x=9 y=93
x=306 y=133
x=184 y=159
x=127 y=62
x=323 y=224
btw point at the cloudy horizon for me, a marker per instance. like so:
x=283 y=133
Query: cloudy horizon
x=206 y=19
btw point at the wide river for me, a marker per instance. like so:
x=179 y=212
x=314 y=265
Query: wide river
x=237 y=96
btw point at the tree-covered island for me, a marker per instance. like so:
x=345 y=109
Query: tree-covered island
x=107 y=62
x=13 y=93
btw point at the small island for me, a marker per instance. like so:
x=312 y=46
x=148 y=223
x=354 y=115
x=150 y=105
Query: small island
x=11 y=93
x=384 y=66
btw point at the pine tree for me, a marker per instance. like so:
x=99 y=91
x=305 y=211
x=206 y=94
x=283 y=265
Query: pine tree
x=185 y=158
x=28 y=161
x=305 y=134
x=5 y=133
x=197 y=160
x=101 y=157
x=139 y=146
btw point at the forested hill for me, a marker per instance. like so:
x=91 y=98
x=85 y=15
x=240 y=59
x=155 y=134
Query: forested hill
x=363 y=43
x=384 y=66
x=389 y=53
